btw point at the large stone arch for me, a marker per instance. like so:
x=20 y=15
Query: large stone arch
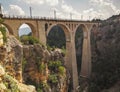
x=68 y=43
x=9 y=28
x=70 y=61
x=65 y=29
x=33 y=29
x=78 y=41
x=86 y=51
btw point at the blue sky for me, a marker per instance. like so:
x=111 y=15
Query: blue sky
x=80 y=9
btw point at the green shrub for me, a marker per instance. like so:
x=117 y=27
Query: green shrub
x=42 y=67
x=32 y=40
x=42 y=87
x=53 y=79
x=61 y=70
x=49 y=48
x=3 y=31
x=53 y=65
x=10 y=84
x=28 y=40
x=39 y=90
x=24 y=62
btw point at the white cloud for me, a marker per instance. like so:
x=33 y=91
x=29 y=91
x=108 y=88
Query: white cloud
x=52 y=2
x=105 y=7
x=16 y=10
x=69 y=9
x=34 y=1
x=91 y=14
x=40 y=2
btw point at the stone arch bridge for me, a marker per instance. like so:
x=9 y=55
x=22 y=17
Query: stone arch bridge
x=40 y=29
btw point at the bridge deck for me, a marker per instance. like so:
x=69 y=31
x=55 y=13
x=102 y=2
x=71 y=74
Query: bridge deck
x=46 y=19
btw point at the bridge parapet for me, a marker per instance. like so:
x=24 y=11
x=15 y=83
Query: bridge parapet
x=44 y=18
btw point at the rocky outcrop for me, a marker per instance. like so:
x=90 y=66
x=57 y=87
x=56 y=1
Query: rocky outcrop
x=42 y=68
x=11 y=57
x=105 y=57
x=31 y=65
x=1 y=39
x=11 y=54
x=8 y=83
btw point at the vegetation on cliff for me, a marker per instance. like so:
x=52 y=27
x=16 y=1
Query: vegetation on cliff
x=44 y=69
x=106 y=57
x=28 y=40
x=3 y=30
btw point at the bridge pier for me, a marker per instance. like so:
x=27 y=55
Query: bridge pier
x=71 y=63
x=74 y=65
x=86 y=56
x=42 y=34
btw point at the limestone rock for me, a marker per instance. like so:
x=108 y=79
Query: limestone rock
x=2 y=87
x=2 y=71
x=26 y=88
x=1 y=39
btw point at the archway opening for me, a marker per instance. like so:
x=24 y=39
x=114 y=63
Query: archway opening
x=78 y=46
x=25 y=29
x=56 y=37
x=26 y=35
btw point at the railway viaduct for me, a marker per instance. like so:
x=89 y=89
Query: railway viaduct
x=41 y=27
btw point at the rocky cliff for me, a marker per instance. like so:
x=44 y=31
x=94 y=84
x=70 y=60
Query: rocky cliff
x=44 y=69
x=105 y=57
x=31 y=65
x=10 y=67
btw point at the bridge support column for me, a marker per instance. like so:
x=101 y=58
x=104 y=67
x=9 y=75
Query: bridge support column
x=86 y=56
x=71 y=63
x=42 y=34
x=74 y=66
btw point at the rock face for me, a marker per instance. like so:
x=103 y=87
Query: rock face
x=12 y=52
x=11 y=67
x=105 y=57
x=8 y=83
x=32 y=65
x=41 y=68
x=2 y=71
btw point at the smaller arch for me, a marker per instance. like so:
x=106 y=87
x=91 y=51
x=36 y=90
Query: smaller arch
x=34 y=32
x=46 y=26
x=24 y=29
x=93 y=30
x=94 y=26
x=69 y=25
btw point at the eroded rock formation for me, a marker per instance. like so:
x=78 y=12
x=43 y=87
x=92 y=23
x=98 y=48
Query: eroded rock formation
x=10 y=67
x=45 y=69
x=31 y=65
